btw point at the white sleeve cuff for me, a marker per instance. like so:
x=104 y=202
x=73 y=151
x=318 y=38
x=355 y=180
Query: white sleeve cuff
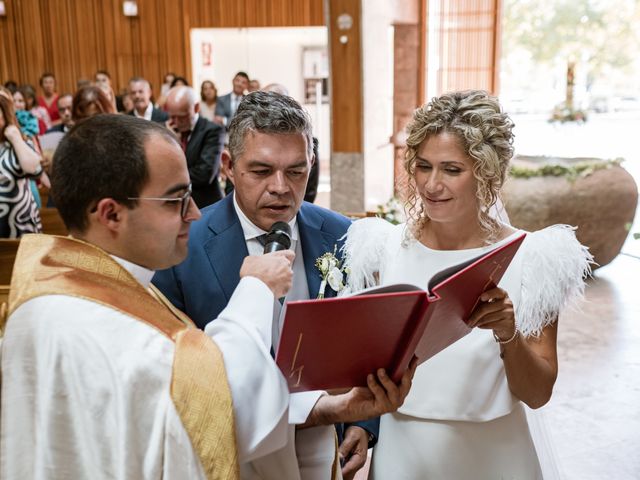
x=301 y=404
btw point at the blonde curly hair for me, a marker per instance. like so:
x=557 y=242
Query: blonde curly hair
x=484 y=132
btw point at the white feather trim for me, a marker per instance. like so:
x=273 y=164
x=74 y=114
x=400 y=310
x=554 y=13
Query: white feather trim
x=363 y=253
x=554 y=267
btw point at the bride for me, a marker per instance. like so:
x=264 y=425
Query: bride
x=464 y=417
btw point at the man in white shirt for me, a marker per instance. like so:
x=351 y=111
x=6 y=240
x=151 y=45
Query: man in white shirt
x=140 y=93
x=102 y=377
x=270 y=154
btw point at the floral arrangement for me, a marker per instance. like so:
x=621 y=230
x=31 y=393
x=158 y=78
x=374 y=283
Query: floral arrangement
x=330 y=271
x=561 y=113
x=392 y=211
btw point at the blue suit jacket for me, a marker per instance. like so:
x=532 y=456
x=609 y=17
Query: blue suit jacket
x=202 y=285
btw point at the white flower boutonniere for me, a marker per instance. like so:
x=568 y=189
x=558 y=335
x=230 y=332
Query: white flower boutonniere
x=330 y=271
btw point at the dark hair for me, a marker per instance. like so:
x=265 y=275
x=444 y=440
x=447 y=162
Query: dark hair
x=103 y=72
x=28 y=92
x=46 y=75
x=87 y=96
x=11 y=86
x=179 y=79
x=8 y=112
x=101 y=157
x=242 y=74
x=268 y=112
x=215 y=90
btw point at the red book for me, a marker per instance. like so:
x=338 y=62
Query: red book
x=335 y=343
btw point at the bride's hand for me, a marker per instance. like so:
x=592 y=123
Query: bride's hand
x=495 y=311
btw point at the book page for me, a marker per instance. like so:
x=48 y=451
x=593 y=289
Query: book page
x=398 y=287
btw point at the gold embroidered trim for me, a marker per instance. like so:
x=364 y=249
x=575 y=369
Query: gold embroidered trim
x=53 y=265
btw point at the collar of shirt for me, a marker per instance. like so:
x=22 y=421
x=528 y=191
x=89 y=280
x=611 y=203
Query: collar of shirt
x=141 y=274
x=147 y=113
x=251 y=231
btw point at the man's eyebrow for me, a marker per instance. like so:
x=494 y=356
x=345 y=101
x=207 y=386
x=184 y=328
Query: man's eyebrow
x=258 y=163
x=176 y=188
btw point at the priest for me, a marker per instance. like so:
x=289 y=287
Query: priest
x=101 y=376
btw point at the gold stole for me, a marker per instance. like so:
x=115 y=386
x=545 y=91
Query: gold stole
x=49 y=265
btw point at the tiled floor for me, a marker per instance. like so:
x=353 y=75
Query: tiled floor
x=594 y=415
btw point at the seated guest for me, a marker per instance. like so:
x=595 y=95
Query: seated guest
x=125 y=385
x=38 y=111
x=65 y=108
x=465 y=417
x=27 y=121
x=208 y=99
x=270 y=155
x=90 y=101
x=18 y=163
x=201 y=140
x=140 y=92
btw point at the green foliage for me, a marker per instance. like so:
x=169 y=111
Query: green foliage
x=571 y=172
x=600 y=32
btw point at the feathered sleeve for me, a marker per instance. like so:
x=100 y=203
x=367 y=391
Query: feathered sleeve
x=363 y=252
x=554 y=268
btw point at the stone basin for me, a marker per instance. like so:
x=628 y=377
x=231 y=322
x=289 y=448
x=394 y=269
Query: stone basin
x=601 y=202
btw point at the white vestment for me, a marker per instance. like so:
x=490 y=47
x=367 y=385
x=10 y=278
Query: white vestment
x=309 y=453
x=86 y=389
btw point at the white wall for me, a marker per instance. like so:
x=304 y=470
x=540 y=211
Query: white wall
x=377 y=45
x=271 y=55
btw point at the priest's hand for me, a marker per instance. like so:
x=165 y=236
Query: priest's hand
x=380 y=396
x=353 y=451
x=274 y=269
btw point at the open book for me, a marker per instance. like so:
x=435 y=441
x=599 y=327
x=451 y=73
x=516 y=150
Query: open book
x=335 y=343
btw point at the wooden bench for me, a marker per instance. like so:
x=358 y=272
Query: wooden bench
x=52 y=223
x=8 y=250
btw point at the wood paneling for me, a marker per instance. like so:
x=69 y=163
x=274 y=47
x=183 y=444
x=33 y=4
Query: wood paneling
x=469 y=45
x=74 y=38
x=346 y=78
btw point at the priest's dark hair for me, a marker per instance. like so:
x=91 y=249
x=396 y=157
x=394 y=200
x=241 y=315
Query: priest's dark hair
x=101 y=157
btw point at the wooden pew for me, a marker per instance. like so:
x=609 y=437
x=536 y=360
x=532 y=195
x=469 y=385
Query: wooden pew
x=52 y=223
x=8 y=250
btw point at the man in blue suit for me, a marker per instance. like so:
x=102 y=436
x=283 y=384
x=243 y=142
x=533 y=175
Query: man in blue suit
x=270 y=155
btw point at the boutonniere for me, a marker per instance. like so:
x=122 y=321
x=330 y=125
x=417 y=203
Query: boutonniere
x=330 y=271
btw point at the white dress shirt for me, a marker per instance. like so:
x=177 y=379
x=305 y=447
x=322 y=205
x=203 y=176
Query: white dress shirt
x=314 y=447
x=147 y=113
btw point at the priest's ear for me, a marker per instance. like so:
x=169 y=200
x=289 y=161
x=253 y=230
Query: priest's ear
x=108 y=213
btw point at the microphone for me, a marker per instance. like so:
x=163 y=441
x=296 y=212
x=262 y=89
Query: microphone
x=278 y=238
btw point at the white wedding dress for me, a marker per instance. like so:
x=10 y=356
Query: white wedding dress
x=460 y=420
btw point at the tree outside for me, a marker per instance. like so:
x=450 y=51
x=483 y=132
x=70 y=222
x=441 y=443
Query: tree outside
x=546 y=42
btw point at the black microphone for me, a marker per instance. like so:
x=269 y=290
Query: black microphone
x=278 y=238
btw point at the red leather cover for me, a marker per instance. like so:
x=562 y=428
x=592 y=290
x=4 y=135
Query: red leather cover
x=335 y=343
x=455 y=298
